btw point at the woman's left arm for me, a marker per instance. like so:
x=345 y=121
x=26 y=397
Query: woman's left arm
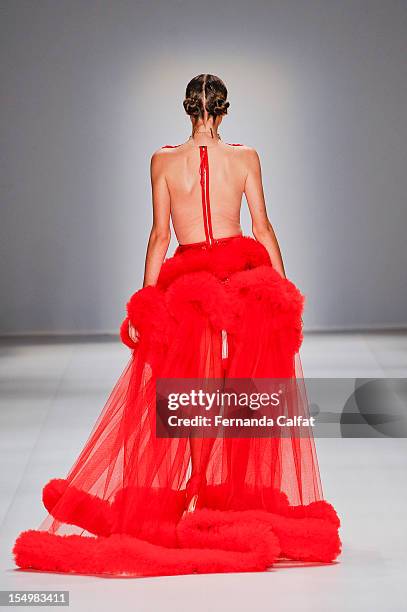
x=160 y=234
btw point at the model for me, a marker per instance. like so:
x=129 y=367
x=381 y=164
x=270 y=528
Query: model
x=136 y=504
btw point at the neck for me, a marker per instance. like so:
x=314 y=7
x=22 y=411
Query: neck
x=205 y=135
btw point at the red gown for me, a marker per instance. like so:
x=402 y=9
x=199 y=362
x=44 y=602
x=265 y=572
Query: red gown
x=139 y=505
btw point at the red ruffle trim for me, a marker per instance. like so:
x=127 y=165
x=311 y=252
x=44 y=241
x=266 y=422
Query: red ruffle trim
x=207 y=540
x=222 y=285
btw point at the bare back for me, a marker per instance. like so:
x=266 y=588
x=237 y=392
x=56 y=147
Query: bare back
x=227 y=172
x=200 y=187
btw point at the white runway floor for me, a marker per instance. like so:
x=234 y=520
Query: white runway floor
x=52 y=392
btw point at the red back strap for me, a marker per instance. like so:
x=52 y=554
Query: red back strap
x=206 y=204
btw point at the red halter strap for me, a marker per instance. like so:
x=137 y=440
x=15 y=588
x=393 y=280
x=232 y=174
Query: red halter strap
x=206 y=205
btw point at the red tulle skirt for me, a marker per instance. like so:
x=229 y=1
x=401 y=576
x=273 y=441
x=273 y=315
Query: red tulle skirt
x=135 y=504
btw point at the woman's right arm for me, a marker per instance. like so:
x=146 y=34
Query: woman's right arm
x=261 y=226
x=160 y=234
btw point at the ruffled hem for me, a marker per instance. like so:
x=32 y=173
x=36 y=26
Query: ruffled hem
x=205 y=541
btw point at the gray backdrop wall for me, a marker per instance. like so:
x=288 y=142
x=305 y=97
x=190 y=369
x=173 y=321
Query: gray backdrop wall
x=90 y=89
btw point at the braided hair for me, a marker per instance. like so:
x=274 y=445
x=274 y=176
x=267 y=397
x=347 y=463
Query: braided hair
x=206 y=92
